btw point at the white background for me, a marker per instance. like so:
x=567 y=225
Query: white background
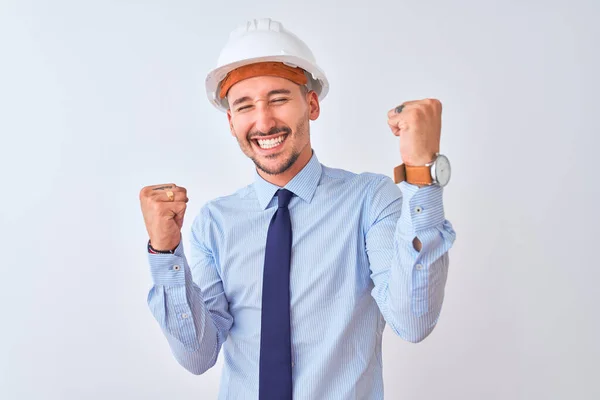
x=98 y=99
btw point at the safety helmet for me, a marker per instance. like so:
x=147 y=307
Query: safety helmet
x=261 y=40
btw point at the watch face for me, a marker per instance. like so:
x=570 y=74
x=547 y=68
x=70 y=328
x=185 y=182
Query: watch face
x=442 y=170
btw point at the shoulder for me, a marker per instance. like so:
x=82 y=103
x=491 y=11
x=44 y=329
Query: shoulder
x=232 y=199
x=214 y=210
x=360 y=180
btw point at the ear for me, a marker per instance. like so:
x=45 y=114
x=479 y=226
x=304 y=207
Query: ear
x=314 y=108
x=230 y=123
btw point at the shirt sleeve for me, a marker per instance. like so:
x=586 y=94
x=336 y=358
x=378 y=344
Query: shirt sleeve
x=408 y=284
x=188 y=302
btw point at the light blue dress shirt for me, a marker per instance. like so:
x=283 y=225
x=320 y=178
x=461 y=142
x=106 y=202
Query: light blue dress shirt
x=353 y=269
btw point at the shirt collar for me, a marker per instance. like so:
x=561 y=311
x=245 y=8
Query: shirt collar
x=303 y=185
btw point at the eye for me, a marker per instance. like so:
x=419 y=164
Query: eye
x=279 y=100
x=243 y=108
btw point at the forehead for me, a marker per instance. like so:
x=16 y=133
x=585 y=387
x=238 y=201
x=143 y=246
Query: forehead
x=259 y=86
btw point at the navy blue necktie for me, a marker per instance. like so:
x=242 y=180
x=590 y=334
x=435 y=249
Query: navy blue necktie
x=275 y=372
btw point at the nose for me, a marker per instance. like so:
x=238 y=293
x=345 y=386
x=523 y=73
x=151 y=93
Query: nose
x=264 y=118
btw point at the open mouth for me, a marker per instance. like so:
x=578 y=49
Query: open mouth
x=271 y=143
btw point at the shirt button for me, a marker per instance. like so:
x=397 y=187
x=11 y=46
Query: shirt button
x=418 y=209
x=293 y=364
x=419 y=266
x=184 y=315
x=176 y=267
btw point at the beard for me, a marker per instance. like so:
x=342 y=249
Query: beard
x=287 y=164
x=293 y=139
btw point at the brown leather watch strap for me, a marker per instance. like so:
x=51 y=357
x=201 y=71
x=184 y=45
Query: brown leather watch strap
x=399 y=174
x=420 y=175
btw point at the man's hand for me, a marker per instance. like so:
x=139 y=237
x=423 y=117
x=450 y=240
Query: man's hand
x=164 y=217
x=419 y=124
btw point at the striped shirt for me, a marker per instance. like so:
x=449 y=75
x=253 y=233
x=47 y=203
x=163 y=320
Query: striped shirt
x=353 y=269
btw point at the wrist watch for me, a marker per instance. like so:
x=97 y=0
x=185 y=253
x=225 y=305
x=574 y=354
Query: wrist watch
x=436 y=172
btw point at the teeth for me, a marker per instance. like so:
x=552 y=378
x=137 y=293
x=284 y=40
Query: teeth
x=270 y=143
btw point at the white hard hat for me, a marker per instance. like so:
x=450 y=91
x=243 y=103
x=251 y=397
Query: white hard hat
x=260 y=40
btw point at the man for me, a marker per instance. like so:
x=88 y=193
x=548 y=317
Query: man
x=296 y=274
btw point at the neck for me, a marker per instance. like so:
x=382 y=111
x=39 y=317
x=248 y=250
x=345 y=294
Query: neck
x=282 y=179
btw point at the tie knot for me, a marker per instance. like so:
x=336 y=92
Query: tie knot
x=283 y=197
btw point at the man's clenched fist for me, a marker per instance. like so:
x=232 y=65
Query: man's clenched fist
x=163 y=214
x=419 y=125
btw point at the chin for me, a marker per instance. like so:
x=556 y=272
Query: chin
x=276 y=167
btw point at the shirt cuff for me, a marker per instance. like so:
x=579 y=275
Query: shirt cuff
x=422 y=208
x=168 y=269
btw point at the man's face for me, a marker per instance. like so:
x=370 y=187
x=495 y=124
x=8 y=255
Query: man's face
x=269 y=116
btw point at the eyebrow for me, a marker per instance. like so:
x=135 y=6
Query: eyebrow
x=271 y=93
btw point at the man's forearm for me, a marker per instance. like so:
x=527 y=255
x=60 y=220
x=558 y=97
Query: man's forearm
x=415 y=289
x=178 y=306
